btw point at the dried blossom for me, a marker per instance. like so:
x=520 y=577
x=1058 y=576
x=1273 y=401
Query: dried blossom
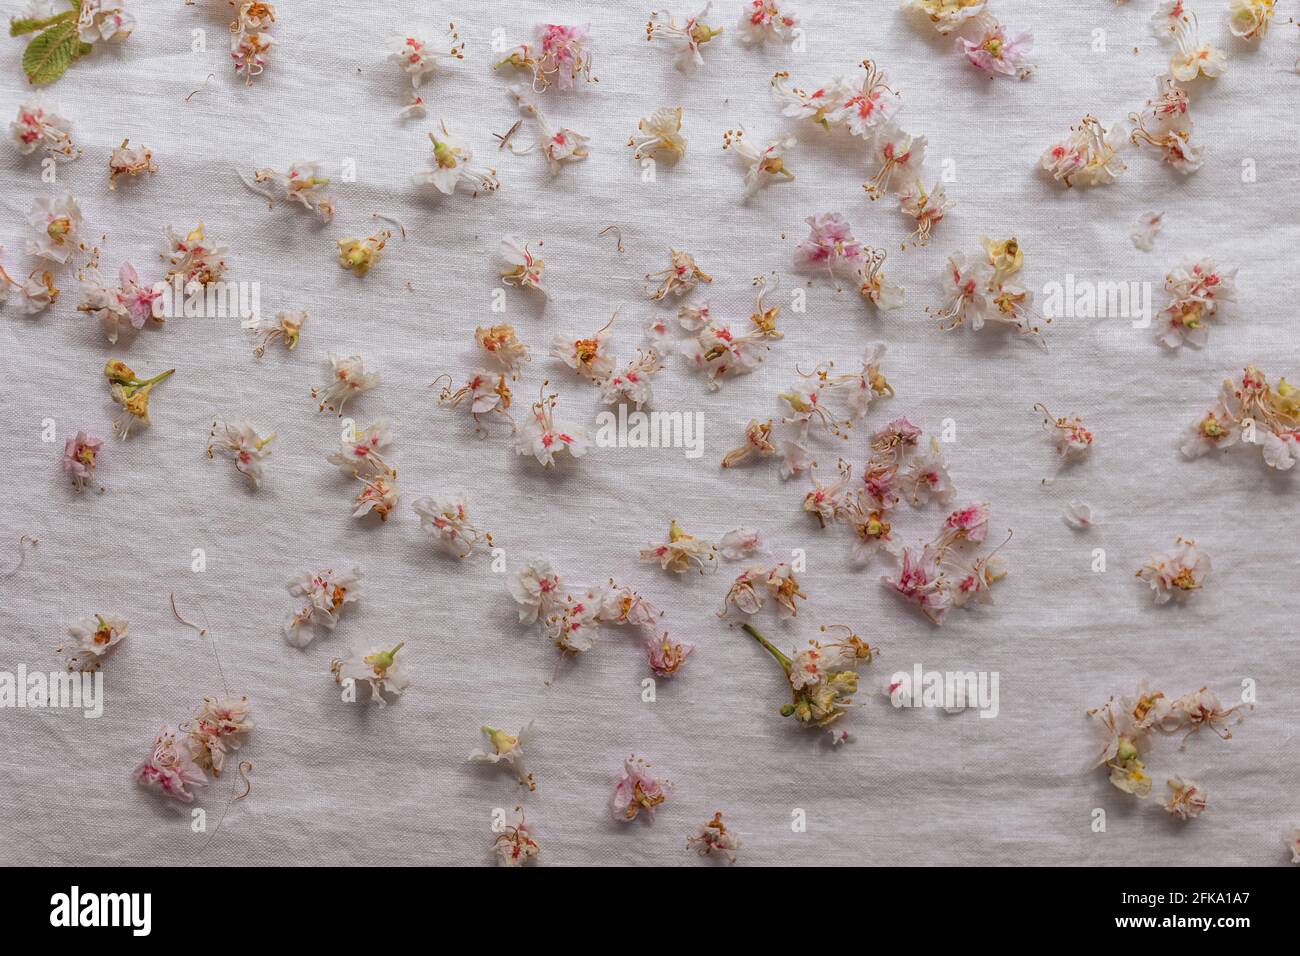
x=681 y=276
x=535 y=588
x=80 y=459
x=762 y=164
x=358 y=255
x=417 y=54
x=1254 y=413
x=127 y=160
x=1088 y=156
x=525 y=270
x=872 y=284
x=515 y=845
x=39 y=128
x=681 y=552
x=1196 y=290
x=93 y=638
x=241 y=443
x=193 y=260
x=502 y=344
x=170 y=769
x=249 y=41
x=325 y=594
x=560 y=56
x=488 y=394
x=1186 y=799
x=1199 y=709
x=538 y=435
x=448 y=521
x=823 y=677
x=660 y=133
x=285 y=327
x=763 y=20
x=56 y=224
x=754 y=586
x=348 y=378
x=303 y=184
x=452 y=161
x=948 y=15
x=559 y=144
x=1177 y=573
x=507 y=749
x=132 y=393
x=380 y=667
x=685 y=34
x=714 y=837
x=637 y=791
x=1069 y=436
x=216 y=730
x=1120 y=754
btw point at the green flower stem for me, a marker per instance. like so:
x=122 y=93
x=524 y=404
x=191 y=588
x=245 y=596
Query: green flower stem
x=772 y=649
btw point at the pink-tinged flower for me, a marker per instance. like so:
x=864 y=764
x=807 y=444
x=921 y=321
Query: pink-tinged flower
x=970 y=523
x=525 y=270
x=38 y=128
x=540 y=437
x=685 y=34
x=948 y=15
x=507 y=749
x=128 y=160
x=1192 y=57
x=1177 y=573
x=897 y=151
x=348 y=378
x=664 y=655
x=822 y=678
x=516 y=844
x=1071 y=438
x=637 y=791
x=869 y=107
x=194 y=259
x=714 y=837
x=763 y=20
x=830 y=243
x=379 y=667
x=92 y=638
x=1088 y=156
x=324 y=593
x=1186 y=799
x=215 y=731
x=417 y=54
x=80 y=459
x=536 y=590
x=56 y=223
x=241 y=443
x=927 y=476
x=169 y=768
x=103 y=20
x=681 y=552
x=452 y=165
x=998 y=54
x=919 y=584
x=447 y=520
x=1216 y=429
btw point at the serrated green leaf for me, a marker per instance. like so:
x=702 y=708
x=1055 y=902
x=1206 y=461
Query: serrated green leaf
x=49 y=54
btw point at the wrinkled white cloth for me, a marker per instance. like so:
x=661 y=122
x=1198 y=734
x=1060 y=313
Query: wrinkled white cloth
x=334 y=784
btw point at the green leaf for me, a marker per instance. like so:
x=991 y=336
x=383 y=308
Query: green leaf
x=49 y=55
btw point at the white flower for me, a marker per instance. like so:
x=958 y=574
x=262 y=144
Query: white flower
x=348 y=378
x=1250 y=19
x=948 y=15
x=452 y=161
x=741 y=543
x=216 y=730
x=636 y=791
x=540 y=437
x=1280 y=452
x=448 y=521
x=536 y=589
x=1145 y=230
x=515 y=845
x=1191 y=57
x=927 y=209
x=1089 y=155
x=680 y=552
x=287 y=327
x=38 y=128
x=1078 y=514
x=325 y=594
x=897 y=151
x=872 y=284
x=302 y=184
x=104 y=20
x=1186 y=799
x=868 y=108
x=634 y=383
x=194 y=260
x=762 y=164
x=57 y=224
x=575 y=627
x=417 y=54
x=525 y=270
x=509 y=750
x=1216 y=429
x=927 y=473
x=379 y=666
x=170 y=769
x=1177 y=573
x=660 y=132
x=714 y=836
x=762 y=20
x=92 y=639
x=685 y=34
x=241 y=443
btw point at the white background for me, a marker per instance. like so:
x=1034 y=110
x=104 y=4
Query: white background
x=340 y=785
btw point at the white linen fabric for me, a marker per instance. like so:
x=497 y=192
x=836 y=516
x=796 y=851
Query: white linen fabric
x=335 y=784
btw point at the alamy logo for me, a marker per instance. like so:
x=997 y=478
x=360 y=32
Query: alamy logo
x=1085 y=299
x=57 y=689
x=946 y=690
x=216 y=300
x=103 y=909
x=637 y=429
